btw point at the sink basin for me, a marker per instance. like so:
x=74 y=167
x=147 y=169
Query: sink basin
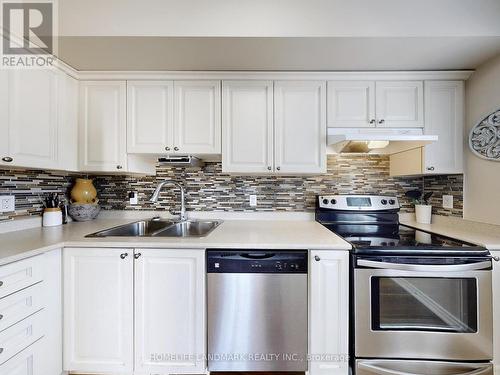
x=189 y=229
x=160 y=228
x=144 y=228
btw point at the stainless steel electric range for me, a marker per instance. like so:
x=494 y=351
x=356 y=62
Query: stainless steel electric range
x=420 y=303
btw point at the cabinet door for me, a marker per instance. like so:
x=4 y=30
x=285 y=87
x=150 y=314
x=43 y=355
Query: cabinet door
x=300 y=127
x=197 y=117
x=102 y=126
x=329 y=312
x=170 y=330
x=400 y=104
x=150 y=110
x=351 y=104
x=98 y=310
x=496 y=312
x=67 y=156
x=4 y=116
x=33 y=118
x=444 y=117
x=51 y=361
x=247 y=126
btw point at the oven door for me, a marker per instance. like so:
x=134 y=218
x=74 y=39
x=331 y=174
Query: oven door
x=422 y=311
x=386 y=367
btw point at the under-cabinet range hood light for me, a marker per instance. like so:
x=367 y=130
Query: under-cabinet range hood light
x=377 y=141
x=181 y=161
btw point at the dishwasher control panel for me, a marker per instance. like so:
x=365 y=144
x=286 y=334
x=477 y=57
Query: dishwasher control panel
x=257 y=261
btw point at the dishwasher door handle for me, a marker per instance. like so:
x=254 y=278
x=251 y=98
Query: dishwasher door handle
x=257 y=255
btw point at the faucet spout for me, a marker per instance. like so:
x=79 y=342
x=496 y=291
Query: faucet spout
x=156 y=195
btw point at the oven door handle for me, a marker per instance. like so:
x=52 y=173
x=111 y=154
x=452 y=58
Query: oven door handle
x=385 y=371
x=425 y=268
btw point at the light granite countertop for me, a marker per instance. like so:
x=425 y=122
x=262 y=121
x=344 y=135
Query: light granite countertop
x=263 y=234
x=486 y=235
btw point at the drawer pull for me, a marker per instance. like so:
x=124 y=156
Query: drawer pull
x=1 y=350
x=1 y=316
x=1 y=283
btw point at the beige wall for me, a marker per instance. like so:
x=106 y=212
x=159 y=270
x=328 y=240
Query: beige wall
x=482 y=177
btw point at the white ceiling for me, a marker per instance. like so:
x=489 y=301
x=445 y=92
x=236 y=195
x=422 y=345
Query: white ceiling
x=278 y=34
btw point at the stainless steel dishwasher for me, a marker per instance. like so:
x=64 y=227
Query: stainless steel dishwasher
x=257 y=310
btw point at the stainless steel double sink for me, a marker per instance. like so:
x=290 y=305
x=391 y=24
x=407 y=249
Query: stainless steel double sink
x=157 y=227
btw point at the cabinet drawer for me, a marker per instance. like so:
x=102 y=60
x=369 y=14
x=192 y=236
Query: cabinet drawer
x=21 y=335
x=20 y=305
x=19 y=275
x=26 y=362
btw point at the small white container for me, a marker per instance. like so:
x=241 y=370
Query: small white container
x=423 y=213
x=52 y=217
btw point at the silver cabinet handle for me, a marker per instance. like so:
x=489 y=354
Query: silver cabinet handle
x=372 y=121
x=317 y=258
x=167 y=148
x=119 y=167
x=381 y=121
x=7 y=159
x=425 y=268
x=137 y=256
x=430 y=168
x=124 y=255
x=373 y=368
x=176 y=148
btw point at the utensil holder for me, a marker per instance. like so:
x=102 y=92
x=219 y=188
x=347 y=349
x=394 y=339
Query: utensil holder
x=52 y=217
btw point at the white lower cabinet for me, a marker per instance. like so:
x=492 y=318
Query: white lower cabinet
x=31 y=317
x=170 y=311
x=98 y=310
x=496 y=313
x=167 y=288
x=329 y=312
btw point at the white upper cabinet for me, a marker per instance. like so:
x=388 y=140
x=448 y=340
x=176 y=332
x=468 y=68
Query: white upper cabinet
x=98 y=310
x=197 y=117
x=32 y=118
x=4 y=117
x=329 y=312
x=167 y=117
x=150 y=116
x=400 y=104
x=247 y=127
x=351 y=104
x=384 y=104
x=68 y=123
x=444 y=117
x=170 y=329
x=102 y=126
x=300 y=126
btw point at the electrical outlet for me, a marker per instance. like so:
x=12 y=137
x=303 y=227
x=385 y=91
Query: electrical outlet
x=7 y=203
x=448 y=201
x=253 y=200
x=133 y=198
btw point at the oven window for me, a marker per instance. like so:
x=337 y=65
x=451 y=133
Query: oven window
x=424 y=304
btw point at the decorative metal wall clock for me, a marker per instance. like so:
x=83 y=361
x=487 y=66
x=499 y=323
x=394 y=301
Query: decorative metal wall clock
x=484 y=138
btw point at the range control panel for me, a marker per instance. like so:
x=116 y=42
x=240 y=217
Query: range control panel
x=256 y=261
x=358 y=202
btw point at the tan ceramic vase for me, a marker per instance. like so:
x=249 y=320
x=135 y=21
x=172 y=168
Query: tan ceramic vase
x=84 y=192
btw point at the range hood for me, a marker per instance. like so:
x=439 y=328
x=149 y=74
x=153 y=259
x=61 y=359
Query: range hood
x=181 y=161
x=376 y=140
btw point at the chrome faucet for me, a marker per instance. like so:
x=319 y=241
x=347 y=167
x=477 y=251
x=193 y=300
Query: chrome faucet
x=156 y=194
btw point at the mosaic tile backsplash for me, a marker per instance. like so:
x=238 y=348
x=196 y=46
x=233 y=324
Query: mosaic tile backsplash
x=208 y=189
